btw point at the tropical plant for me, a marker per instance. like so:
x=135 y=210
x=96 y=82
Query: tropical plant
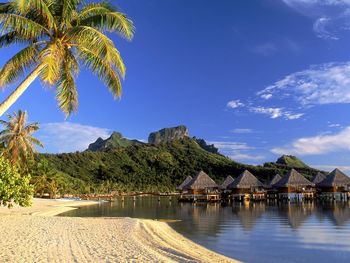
x=17 y=139
x=59 y=34
x=14 y=188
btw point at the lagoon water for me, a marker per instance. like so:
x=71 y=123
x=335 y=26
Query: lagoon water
x=251 y=232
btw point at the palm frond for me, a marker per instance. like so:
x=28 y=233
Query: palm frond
x=69 y=8
x=111 y=21
x=16 y=66
x=35 y=141
x=17 y=137
x=52 y=57
x=13 y=38
x=41 y=8
x=67 y=95
x=8 y=7
x=102 y=69
x=99 y=44
x=24 y=26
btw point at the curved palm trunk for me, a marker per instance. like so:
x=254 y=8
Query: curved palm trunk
x=4 y=106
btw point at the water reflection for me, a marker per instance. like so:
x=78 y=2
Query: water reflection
x=252 y=232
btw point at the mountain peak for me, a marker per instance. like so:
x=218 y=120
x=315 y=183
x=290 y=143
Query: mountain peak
x=168 y=135
x=292 y=161
x=115 y=140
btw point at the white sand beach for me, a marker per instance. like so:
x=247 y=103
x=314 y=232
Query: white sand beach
x=34 y=234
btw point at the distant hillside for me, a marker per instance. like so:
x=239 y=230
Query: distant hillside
x=150 y=167
x=292 y=161
x=288 y=162
x=114 y=141
x=208 y=147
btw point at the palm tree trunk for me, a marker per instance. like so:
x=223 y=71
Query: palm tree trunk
x=4 y=106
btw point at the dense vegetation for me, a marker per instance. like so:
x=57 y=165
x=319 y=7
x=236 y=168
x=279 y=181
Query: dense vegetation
x=148 y=167
x=14 y=188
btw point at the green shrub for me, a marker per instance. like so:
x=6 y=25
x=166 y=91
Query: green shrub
x=14 y=188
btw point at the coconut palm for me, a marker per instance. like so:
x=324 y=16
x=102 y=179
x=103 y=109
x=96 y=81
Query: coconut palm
x=17 y=139
x=58 y=34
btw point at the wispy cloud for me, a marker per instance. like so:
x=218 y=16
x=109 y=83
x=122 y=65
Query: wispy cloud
x=334 y=125
x=320 y=144
x=228 y=145
x=69 y=137
x=275 y=46
x=265 y=49
x=246 y=157
x=329 y=167
x=233 y=104
x=275 y=113
x=321 y=84
x=331 y=17
x=321 y=28
x=241 y=130
x=238 y=151
x=272 y=112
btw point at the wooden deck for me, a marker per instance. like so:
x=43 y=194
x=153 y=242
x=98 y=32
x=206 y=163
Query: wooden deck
x=213 y=197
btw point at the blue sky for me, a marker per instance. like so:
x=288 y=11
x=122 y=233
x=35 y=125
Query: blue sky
x=257 y=78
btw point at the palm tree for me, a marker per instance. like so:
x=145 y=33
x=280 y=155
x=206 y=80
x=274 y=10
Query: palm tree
x=17 y=139
x=59 y=34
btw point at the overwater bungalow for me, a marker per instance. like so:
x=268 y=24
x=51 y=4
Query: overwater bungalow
x=271 y=192
x=319 y=177
x=228 y=180
x=201 y=188
x=293 y=186
x=184 y=183
x=335 y=186
x=316 y=179
x=247 y=187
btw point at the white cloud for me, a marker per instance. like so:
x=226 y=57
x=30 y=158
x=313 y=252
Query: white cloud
x=316 y=145
x=233 y=104
x=266 y=96
x=334 y=125
x=321 y=84
x=244 y=157
x=331 y=17
x=293 y=116
x=241 y=130
x=228 y=145
x=320 y=27
x=236 y=150
x=69 y=137
x=272 y=112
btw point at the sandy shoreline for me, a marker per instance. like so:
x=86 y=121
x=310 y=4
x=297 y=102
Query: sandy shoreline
x=35 y=235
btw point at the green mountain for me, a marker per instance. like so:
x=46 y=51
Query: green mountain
x=150 y=167
x=114 y=141
x=291 y=161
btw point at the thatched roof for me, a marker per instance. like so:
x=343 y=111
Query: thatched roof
x=274 y=180
x=335 y=178
x=293 y=179
x=229 y=180
x=184 y=183
x=319 y=177
x=201 y=181
x=245 y=180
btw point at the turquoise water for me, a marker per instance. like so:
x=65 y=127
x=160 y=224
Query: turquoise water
x=251 y=232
